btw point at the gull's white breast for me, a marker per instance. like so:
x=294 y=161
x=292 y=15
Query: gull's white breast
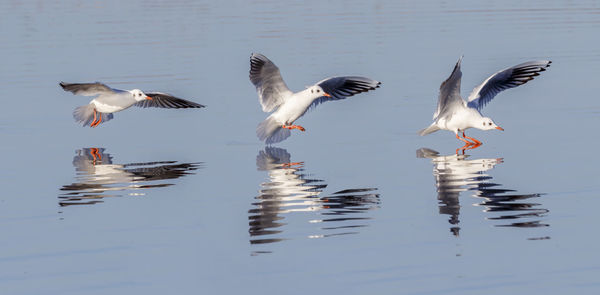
x=294 y=107
x=113 y=103
x=462 y=119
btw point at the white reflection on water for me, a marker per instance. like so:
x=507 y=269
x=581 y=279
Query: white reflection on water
x=97 y=174
x=291 y=190
x=455 y=174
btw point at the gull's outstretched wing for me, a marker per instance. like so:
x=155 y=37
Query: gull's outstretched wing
x=450 y=90
x=88 y=89
x=343 y=87
x=163 y=100
x=265 y=76
x=505 y=79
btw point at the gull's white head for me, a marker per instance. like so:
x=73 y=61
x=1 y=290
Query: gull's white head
x=316 y=91
x=487 y=124
x=139 y=95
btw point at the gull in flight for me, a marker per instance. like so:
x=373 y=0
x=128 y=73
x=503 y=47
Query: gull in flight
x=457 y=115
x=287 y=106
x=109 y=100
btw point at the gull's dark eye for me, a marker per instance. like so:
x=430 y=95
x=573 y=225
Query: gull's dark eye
x=483 y=123
x=490 y=123
x=312 y=91
x=318 y=90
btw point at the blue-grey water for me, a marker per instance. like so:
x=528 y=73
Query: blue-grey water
x=190 y=202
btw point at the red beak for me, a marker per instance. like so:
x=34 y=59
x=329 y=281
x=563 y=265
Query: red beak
x=499 y=128
x=148 y=98
x=326 y=94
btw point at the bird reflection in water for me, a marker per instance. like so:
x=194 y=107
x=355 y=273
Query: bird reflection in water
x=290 y=190
x=98 y=178
x=455 y=174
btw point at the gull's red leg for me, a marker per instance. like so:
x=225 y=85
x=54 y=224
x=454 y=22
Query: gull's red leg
x=99 y=121
x=473 y=146
x=299 y=127
x=477 y=142
x=464 y=140
x=463 y=148
x=293 y=127
x=95 y=117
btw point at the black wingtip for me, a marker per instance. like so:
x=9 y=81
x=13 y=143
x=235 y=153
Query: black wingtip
x=191 y=104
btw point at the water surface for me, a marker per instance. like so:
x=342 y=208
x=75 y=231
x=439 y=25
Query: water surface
x=189 y=201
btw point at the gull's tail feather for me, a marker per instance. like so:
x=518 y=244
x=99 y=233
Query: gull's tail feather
x=432 y=128
x=270 y=131
x=85 y=115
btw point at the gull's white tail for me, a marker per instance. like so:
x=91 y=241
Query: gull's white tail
x=85 y=115
x=270 y=131
x=432 y=128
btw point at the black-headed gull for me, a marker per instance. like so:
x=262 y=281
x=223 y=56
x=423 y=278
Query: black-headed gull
x=288 y=106
x=110 y=100
x=457 y=115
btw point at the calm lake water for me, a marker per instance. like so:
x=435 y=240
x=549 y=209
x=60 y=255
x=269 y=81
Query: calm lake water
x=190 y=202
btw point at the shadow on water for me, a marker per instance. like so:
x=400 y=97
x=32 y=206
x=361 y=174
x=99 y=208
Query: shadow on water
x=290 y=190
x=455 y=174
x=98 y=177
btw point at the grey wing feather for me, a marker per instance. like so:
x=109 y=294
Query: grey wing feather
x=269 y=84
x=505 y=79
x=87 y=89
x=343 y=87
x=450 y=90
x=163 y=100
